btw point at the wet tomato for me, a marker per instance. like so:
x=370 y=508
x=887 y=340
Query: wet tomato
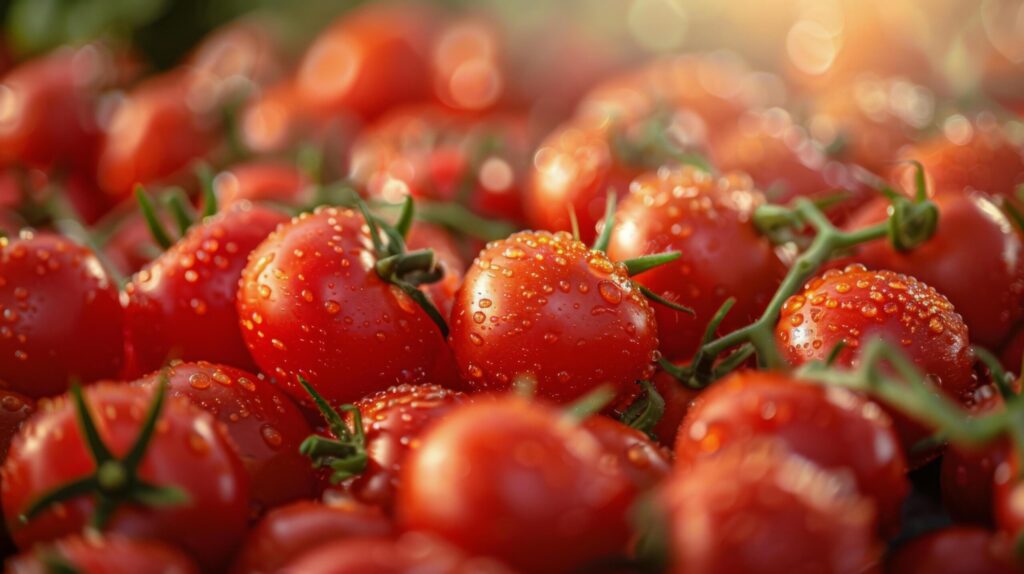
x=109 y=554
x=630 y=451
x=544 y=307
x=517 y=481
x=708 y=220
x=679 y=400
x=60 y=319
x=275 y=183
x=409 y=554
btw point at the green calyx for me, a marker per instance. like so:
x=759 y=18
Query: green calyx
x=177 y=203
x=646 y=411
x=115 y=481
x=345 y=453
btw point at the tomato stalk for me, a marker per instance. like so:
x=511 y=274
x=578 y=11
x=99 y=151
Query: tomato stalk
x=646 y=411
x=345 y=454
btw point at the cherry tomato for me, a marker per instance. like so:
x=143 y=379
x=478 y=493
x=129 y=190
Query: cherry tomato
x=312 y=305
x=519 y=482
x=756 y=507
x=630 y=451
x=111 y=554
x=14 y=410
x=544 y=307
x=61 y=318
x=708 y=220
x=953 y=550
x=156 y=132
x=183 y=304
x=411 y=554
x=262 y=181
x=368 y=61
x=467 y=64
x=274 y=119
x=288 y=532
x=973 y=239
x=264 y=425
x=190 y=452
x=1007 y=496
x=678 y=401
x=830 y=427
x=236 y=57
x=448 y=255
x=854 y=306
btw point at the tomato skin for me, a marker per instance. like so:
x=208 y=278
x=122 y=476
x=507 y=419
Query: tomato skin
x=274 y=119
x=741 y=511
x=536 y=304
x=54 y=292
x=722 y=253
x=538 y=497
x=630 y=452
x=183 y=305
x=111 y=554
x=410 y=554
x=861 y=305
x=973 y=239
x=830 y=427
x=1009 y=490
x=312 y=305
x=953 y=550
x=264 y=425
x=188 y=451
x=262 y=182
x=288 y=532
x=15 y=408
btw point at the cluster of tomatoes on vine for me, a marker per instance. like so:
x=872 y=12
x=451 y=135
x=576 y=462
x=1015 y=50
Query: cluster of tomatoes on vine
x=395 y=331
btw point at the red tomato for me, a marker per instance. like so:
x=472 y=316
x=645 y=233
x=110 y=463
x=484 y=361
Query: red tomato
x=14 y=409
x=545 y=307
x=854 y=306
x=264 y=425
x=111 y=554
x=411 y=554
x=708 y=220
x=448 y=255
x=953 y=550
x=312 y=305
x=274 y=120
x=291 y=531
x=830 y=427
x=630 y=452
x=467 y=64
x=182 y=305
x=262 y=181
x=235 y=57
x=190 y=451
x=517 y=481
x=368 y=61
x=156 y=132
x=756 y=507
x=678 y=401
x=973 y=239
x=61 y=316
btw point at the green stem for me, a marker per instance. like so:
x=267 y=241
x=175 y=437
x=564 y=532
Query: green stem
x=156 y=227
x=601 y=243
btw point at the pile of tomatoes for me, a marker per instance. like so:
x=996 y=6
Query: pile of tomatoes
x=385 y=309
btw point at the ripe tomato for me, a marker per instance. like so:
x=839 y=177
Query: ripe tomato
x=130 y=245
x=409 y=554
x=708 y=220
x=1007 y=496
x=264 y=425
x=758 y=508
x=14 y=409
x=973 y=239
x=288 y=532
x=630 y=452
x=545 y=307
x=190 y=451
x=236 y=57
x=854 y=306
x=830 y=427
x=311 y=304
x=276 y=183
x=154 y=134
x=110 y=554
x=679 y=400
x=54 y=293
x=517 y=481
x=368 y=61
x=274 y=119
x=468 y=64
x=183 y=305
x=953 y=550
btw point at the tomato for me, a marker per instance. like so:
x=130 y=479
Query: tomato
x=14 y=409
x=183 y=304
x=368 y=61
x=785 y=162
x=236 y=57
x=543 y=306
x=290 y=531
x=953 y=550
x=272 y=182
x=274 y=119
x=154 y=133
x=973 y=239
x=517 y=481
x=630 y=451
x=449 y=256
x=311 y=304
x=467 y=64
x=130 y=245
x=61 y=316
x=708 y=220
x=830 y=427
x=264 y=425
x=678 y=401
x=758 y=508
x=190 y=452
x=111 y=554
x=854 y=306
x=411 y=554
